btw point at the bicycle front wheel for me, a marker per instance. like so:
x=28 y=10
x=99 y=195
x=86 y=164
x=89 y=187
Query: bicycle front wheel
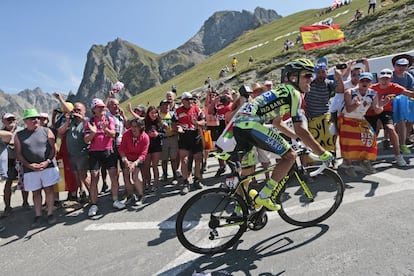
x=211 y=221
x=313 y=201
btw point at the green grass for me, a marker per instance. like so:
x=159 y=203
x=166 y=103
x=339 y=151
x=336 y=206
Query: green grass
x=269 y=56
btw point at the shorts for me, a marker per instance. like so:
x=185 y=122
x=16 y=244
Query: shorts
x=98 y=158
x=385 y=117
x=79 y=163
x=169 y=148
x=11 y=170
x=41 y=179
x=215 y=132
x=190 y=141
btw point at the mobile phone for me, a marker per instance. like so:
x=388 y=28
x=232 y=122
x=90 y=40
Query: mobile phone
x=341 y=66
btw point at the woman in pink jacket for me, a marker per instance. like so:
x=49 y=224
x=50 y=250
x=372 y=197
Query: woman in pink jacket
x=133 y=151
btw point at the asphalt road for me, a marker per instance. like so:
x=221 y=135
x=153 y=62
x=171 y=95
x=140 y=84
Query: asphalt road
x=370 y=234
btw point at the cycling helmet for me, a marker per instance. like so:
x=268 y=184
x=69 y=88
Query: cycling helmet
x=293 y=68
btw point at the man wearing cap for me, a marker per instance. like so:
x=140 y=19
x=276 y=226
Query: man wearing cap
x=317 y=107
x=169 y=143
x=401 y=76
x=358 y=140
x=35 y=148
x=187 y=118
x=7 y=148
x=387 y=90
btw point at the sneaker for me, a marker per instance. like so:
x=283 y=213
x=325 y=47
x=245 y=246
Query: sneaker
x=36 y=222
x=404 y=149
x=104 y=188
x=266 y=202
x=220 y=171
x=165 y=179
x=51 y=219
x=197 y=184
x=72 y=197
x=140 y=201
x=7 y=212
x=400 y=161
x=131 y=200
x=178 y=174
x=93 y=210
x=386 y=144
x=185 y=189
x=174 y=181
x=350 y=171
x=118 y=205
x=57 y=204
x=366 y=164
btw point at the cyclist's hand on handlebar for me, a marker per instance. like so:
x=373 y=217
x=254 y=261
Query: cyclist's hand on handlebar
x=326 y=157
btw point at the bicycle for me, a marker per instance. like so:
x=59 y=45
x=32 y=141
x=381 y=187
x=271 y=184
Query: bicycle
x=213 y=220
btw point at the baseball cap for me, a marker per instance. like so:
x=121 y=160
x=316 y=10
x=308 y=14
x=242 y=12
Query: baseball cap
x=402 y=61
x=8 y=115
x=97 y=102
x=165 y=101
x=385 y=73
x=186 y=95
x=30 y=113
x=366 y=75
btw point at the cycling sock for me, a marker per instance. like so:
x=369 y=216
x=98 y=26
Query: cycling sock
x=268 y=188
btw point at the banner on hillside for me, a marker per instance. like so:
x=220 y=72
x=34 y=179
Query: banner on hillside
x=317 y=36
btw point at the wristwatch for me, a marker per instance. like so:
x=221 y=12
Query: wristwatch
x=49 y=161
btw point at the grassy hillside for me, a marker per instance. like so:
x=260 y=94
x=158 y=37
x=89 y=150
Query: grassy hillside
x=374 y=35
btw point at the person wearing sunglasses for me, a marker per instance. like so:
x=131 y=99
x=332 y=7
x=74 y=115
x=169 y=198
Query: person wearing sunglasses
x=10 y=173
x=35 y=149
x=386 y=89
x=284 y=100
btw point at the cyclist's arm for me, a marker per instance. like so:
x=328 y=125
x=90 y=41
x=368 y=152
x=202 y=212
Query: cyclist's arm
x=284 y=128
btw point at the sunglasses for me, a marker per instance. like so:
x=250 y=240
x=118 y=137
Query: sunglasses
x=34 y=118
x=11 y=119
x=307 y=75
x=386 y=73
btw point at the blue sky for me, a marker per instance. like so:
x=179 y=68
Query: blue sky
x=44 y=43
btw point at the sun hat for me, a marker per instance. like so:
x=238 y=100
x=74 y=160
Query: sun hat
x=97 y=102
x=366 y=75
x=30 y=113
x=8 y=115
x=256 y=87
x=385 y=73
x=403 y=59
x=186 y=95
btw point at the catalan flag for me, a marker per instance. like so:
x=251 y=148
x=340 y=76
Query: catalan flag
x=317 y=36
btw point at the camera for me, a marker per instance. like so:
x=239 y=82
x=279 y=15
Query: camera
x=71 y=116
x=223 y=99
x=341 y=66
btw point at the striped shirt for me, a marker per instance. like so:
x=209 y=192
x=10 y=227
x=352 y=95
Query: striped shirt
x=316 y=100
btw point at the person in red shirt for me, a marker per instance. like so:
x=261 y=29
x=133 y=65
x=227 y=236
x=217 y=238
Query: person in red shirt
x=133 y=150
x=387 y=89
x=187 y=119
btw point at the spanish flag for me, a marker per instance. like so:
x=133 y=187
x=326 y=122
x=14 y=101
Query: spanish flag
x=317 y=36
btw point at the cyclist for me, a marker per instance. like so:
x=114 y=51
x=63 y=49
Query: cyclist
x=274 y=105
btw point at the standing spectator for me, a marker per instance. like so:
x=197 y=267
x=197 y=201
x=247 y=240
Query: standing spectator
x=35 y=148
x=99 y=132
x=212 y=122
x=222 y=106
x=387 y=90
x=187 y=119
x=9 y=130
x=170 y=96
x=137 y=112
x=358 y=139
x=372 y=4
x=156 y=131
x=120 y=125
x=402 y=77
x=317 y=108
x=169 y=151
x=234 y=63
x=133 y=151
x=73 y=132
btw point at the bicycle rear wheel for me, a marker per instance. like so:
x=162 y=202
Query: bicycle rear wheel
x=211 y=221
x=303 y=208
